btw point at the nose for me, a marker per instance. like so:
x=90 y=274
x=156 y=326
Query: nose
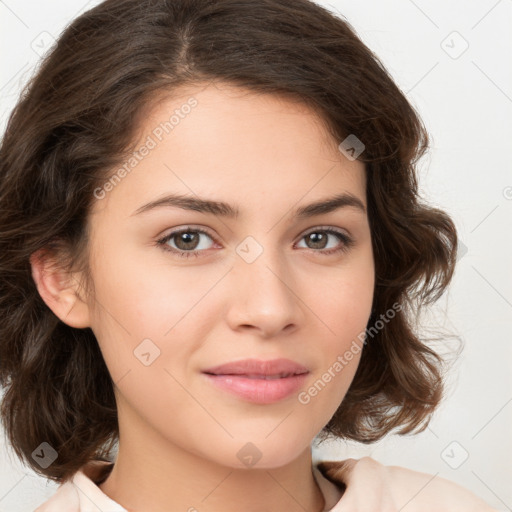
x=263 y=296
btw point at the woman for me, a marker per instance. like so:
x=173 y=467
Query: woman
x=212 y=252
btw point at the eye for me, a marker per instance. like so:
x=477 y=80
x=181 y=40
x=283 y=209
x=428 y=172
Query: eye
x=187 y=243
x=319 y=239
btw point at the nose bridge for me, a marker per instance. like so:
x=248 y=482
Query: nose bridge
x=262 y=267
x=263 y=292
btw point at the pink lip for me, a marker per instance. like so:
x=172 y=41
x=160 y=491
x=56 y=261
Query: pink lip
x=258 y=367
x=246 y=379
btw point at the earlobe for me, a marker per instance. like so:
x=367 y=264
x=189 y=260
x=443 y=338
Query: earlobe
x=59 y=290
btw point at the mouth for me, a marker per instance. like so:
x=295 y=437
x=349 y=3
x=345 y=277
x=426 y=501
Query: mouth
x=258 y=381
x=257 y=368
x=257 y=375
x=258 y=387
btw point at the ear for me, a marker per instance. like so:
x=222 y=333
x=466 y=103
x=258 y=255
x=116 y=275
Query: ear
x=59 y=290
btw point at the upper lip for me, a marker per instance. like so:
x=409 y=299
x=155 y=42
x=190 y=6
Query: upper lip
x=272 y=367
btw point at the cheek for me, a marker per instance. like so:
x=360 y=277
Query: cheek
x=342 y=310
x=148 y=298
x=149 y=320
x=342 y=304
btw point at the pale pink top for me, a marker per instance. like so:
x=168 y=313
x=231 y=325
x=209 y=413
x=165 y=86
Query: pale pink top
x=388 y=484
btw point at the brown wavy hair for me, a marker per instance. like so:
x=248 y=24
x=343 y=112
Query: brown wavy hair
x=77 y=118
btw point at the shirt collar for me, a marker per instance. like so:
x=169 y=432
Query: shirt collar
x=88 y=497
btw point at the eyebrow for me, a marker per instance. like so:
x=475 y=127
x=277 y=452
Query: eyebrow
x=223 y=209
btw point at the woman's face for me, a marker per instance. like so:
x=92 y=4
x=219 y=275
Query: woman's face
x=266 y=283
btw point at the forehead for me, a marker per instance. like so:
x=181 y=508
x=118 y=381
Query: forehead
x=222 y=105
x=223 y=141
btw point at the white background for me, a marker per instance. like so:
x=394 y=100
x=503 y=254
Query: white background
x=465 y=99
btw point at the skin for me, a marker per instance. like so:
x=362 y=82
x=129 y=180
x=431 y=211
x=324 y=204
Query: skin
x=179 y=435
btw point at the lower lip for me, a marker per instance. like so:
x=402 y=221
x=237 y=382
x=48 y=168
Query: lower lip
x=260 y=391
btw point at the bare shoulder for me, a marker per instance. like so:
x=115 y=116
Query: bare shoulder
x=423 y=491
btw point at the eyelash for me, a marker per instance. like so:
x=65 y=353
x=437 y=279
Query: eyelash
x=347 y=242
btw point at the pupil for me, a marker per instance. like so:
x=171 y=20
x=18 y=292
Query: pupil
x=186 y=239
x=317 y=239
